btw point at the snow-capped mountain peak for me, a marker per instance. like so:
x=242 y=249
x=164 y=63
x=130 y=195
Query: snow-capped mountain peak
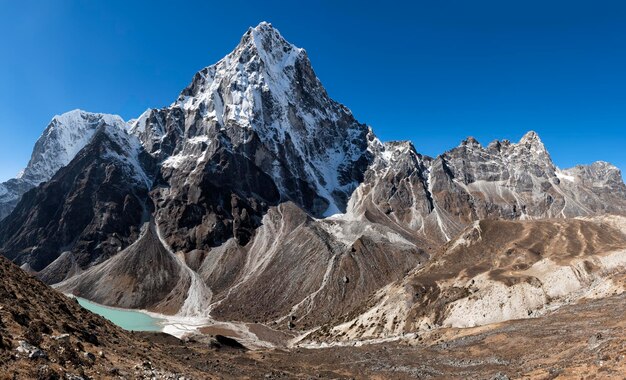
x=273 y=49
x=264 y=95
x=263 y=61
x=64 y=137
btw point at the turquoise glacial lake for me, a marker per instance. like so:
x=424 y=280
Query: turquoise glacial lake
x=127 y=319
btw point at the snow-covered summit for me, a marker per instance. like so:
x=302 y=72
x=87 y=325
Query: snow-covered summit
x=64 y=137
x=263 y=64
x=264 y=100
x=272 y=48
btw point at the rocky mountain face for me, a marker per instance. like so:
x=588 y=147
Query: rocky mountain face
x=255 y=197
x=64 y=137
x=439 y=197
x=598 y=186
x=252 y=131
x=90 y=209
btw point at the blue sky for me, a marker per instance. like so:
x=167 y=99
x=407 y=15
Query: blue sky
x=433 y=72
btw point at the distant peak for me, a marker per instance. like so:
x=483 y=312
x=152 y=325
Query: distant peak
x=263 y=26
x=77 y=115
x=530 y=137
x=268 y=41
x=70 y=115
x=533 y=143
x=470 y=141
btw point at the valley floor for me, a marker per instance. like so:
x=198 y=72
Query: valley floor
x=582 y=341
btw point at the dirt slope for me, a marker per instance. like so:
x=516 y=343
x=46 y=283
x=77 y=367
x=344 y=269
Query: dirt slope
x=497 y=271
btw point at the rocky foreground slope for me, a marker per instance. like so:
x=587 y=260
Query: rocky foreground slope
x=46 y=335
x=255 y=197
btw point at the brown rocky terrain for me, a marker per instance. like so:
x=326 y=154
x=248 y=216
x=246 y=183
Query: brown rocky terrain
x=582 y=341
x=46 y=335
x=497 y=271
x=63 y=341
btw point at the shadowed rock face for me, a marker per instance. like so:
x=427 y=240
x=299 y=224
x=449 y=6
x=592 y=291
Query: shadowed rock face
x=91 y=207
x=64 y=137
x=225 y=198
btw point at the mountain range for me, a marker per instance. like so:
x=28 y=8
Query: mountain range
x=254 y=197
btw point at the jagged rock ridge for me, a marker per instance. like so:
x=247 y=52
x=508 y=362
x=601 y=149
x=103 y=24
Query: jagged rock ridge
x=438 y=197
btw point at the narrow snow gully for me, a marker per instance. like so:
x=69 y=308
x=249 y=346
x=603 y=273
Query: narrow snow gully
x=199 y=295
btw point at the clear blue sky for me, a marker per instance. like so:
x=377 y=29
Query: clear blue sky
x=430 y=71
